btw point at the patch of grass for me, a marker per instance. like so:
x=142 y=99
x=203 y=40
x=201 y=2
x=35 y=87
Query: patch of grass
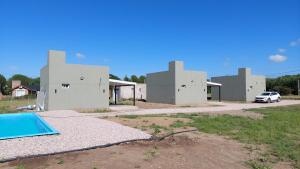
x=178 y=124
x=105 y=110
x=291 y=97
x=157 y=128
x=280 y=129
x=20 y=167
x=10 y=105
x=150 y=154
x=129 y=116
x=257 y=165
x=61 y=162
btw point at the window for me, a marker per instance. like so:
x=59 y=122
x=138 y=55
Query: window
x=65 y=86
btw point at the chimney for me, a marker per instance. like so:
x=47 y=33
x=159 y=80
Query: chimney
x=15 y=83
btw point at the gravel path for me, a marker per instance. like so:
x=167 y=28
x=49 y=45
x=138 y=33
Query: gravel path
x=223 y=108
x=76 y=132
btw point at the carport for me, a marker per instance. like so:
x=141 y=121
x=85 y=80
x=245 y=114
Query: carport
x=219 y=85
x=116 y=84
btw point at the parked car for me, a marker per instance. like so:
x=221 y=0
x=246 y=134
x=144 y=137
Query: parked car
x=268 y=97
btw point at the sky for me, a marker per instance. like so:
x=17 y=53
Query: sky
x=142 y=36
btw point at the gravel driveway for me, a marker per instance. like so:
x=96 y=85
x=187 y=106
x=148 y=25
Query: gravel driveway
x=76 y=132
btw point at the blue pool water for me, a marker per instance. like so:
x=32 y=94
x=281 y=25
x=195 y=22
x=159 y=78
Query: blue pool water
x=23 y=125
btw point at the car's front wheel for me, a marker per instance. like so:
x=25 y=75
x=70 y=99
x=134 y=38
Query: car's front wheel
x=269 y=100
x=278 y=99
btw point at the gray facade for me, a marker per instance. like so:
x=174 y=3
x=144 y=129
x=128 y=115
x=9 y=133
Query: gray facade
x=242 y=87
x=177 y=86
x=73 y=86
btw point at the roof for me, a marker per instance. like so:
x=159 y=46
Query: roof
x=33 y=88
x=213 y=84
x=114 y=82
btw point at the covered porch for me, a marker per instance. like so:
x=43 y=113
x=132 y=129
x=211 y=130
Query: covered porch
x=114 y=88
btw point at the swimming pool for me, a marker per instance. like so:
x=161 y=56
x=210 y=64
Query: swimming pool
x=23 y=125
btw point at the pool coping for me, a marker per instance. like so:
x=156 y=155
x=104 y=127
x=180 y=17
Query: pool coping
x=52 y=132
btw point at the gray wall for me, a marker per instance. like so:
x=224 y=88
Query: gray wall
x=177 y=86
x=242 y=87
x=88 y=85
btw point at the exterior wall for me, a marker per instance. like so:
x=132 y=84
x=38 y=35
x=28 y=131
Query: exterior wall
x=177 y=86
x=161 y=87
x=126 y=92
x=13 y=93
x=72 y=86
x=242 y=87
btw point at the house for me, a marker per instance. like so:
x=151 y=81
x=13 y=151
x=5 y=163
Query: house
x=241 y=87
x=177 y=86
x=72 y=86
x=126 y=92
x=19 y=90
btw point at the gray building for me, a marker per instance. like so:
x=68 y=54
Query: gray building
x=242 y=87
x=72 y=86
x=177 y=86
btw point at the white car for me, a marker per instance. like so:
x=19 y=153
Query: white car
x=268 y=97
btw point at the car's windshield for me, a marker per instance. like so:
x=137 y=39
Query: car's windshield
x=265 y=94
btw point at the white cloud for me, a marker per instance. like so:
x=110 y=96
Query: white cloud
x=295 y=43
x=281 y=50
x=278 y=58
x=80 y=55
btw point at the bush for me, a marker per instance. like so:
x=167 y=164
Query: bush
x=283 y=90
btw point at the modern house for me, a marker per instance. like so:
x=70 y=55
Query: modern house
x=72 y=86
x=241 y=87
x=177 y=86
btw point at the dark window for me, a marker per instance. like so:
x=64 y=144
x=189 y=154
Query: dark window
x=65 y=86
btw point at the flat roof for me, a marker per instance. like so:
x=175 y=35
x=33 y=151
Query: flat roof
x=213 y=84
x=114 y=82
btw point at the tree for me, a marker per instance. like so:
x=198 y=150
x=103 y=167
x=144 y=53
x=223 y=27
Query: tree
x=111 y=76
x=127 y=78
x=142 y=79
x=24 y=80
x=134 y=78
x=285 y=84
x=3 y=84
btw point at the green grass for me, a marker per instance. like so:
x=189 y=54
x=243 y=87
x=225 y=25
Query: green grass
x=291 y=97
x=20 y=167
x=105 y=110
x=10 y=105
x=157 y=128
x=279 y=129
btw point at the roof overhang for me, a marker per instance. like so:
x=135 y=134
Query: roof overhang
x=113 y=82
x=213 y=84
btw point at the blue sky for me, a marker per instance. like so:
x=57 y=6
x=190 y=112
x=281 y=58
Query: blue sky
x=142 y=36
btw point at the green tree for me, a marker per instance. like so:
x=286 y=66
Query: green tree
x=142 y=79
x=24 y=79
x=126 y=78
x=134 y=78
x=111 y=76
x=285 y=84
x=3 y=84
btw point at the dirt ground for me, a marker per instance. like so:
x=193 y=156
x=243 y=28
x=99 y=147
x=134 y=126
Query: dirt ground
x=179 y=152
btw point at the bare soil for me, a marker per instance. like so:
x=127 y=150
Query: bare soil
x=185 y=151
